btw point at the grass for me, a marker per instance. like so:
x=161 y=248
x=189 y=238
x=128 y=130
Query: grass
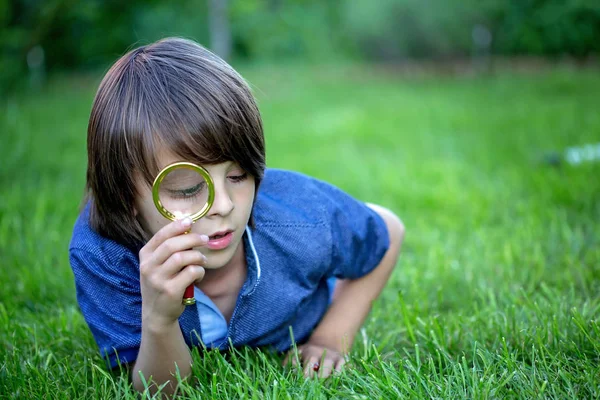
x=496 y=294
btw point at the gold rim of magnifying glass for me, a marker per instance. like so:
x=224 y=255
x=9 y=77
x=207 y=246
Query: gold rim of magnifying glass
x=183 y=164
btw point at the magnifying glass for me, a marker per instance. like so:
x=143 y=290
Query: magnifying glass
x=181 y=190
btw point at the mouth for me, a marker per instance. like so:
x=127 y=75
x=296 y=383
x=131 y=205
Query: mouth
x=220 y=240
x=219 y=235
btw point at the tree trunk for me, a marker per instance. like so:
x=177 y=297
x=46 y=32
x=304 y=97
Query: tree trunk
x=220 y=32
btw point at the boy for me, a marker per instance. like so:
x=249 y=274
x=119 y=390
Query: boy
x=262 y=259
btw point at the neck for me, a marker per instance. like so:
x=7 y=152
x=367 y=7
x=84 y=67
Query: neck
x=221 y=281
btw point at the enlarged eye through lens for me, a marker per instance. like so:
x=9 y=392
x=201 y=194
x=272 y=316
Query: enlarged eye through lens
x=183 y=189
x=189 y=193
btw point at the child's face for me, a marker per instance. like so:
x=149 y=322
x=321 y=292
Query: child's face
x=230 y=212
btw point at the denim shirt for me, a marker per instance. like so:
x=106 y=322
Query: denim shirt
x=306 y=232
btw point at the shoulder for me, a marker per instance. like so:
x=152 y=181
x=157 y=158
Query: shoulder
x=88 y=244
x=288 y=197
x=289 y=213
x=316 y=227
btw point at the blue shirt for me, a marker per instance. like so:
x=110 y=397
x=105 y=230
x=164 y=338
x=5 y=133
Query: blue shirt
x=306 y=232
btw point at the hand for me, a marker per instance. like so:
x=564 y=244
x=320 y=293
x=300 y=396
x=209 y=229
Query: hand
x=317 y=360
x=168 y=264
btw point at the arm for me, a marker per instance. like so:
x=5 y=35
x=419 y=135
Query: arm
x=161 y=349
x=167 y=267
x=351 y=305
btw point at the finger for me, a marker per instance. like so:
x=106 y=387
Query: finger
x=177 y=244
x=187 y=276
x=175 y=228
x=311 y=366
x=326 y=367
x=177 y=262
x=293 y=357
x=339 y=365
x=288 y=358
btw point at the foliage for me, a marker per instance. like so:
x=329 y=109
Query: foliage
x=74 y=34
x=87 y=34
x=287 y=29
x=426 y=28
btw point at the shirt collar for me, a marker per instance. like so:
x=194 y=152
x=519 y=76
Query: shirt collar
x=252 y=263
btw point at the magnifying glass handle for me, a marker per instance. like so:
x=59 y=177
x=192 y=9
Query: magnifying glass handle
x=188 y=296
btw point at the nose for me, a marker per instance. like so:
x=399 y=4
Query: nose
x=223 y=204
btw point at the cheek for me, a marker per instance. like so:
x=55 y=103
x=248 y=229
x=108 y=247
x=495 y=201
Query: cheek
x=151 y=219
x=246 y=197
x=157 y=224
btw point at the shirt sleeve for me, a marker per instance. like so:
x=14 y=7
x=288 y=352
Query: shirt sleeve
x=359 y=236
x=110 y=301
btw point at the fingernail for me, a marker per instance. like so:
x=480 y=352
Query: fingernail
x=204 y=237
x=186 y=222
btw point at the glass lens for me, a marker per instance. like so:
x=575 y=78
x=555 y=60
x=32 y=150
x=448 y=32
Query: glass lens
x=183 y=192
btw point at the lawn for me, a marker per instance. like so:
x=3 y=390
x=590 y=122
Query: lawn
x=497 y=291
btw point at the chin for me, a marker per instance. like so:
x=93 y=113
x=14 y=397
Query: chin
x=212 y=266
x=216 y=261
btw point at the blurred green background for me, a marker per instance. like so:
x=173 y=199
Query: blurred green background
x=50 y=35
x=476 y=122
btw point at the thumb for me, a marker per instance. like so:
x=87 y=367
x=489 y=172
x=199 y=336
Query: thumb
x=201 y=272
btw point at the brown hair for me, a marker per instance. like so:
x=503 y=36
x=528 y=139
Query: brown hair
x=172 y=93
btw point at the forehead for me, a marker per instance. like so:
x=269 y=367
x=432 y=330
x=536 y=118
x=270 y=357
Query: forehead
x=182 y=175
x=157 y=158
x=165 y=157
x=160 y=153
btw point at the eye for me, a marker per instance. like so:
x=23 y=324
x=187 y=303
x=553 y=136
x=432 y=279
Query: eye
x=187 y=193
x=236 y=178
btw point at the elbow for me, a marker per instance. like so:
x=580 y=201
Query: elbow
x=395 y=227
x=396 y=232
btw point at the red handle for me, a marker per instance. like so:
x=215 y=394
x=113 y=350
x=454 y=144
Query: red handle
x=188 y=296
